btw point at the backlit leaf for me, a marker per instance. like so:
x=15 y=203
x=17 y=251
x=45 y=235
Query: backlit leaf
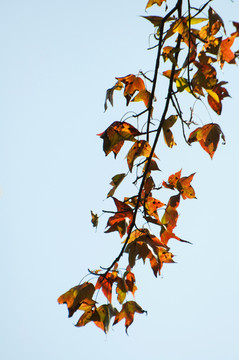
x=121 y=221
x=110 y=92
x=94 y=219
x=76 y=296
x=140 y=148
x=208 y=136
x=152 y=2
x=116 y=180
x=127 y=312
x=168 y=135
x=132 y=83
x=105 y=283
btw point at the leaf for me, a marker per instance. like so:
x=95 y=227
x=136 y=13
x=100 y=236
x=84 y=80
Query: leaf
x=94 y=219
x=101 y=317
x=168 y=53
x=127 y=312
x=156 y=20
x=116 y=180
x=140 y=148
x=184 y=187
x=116 y=134
x=110 y=92
x=125 y=284
x=215 y=97
x=105 y=282
x=168 y=135
x=208 y=137
x=121 y=221
x=170 y=216
x=151 y=206
x=76 y=296
x=143 y=95
x=225 y=52
x=132 y=83
x=152 y=2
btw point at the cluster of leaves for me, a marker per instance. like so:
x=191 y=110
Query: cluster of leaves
x=193 y=55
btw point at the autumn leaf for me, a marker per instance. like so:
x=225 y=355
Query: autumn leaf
x=168 y=135
x=121 y=221
x=143 y=95
x=101 y=317
x=152 y=2
x=140 y=148
x=76 y=296
x=151 y=205
x=127 y=312
x=116 y=180
x=110 y=92
x=116 y=134
x=125 y=285
x=132 y=83
x=225 y=52
x=94 y=219
x=170 y=216
x=184 y=187
x=208 y=137
x=168 y=53
x=215 y=96
x=105 y=283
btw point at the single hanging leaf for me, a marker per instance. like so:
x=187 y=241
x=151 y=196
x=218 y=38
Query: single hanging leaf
x=170 y=216
x=184 y=187
x=143 y=95
x=101 y=317
x=140 y=148
x=151 y=206
x=94 y=219
x=225 y=52
x=168 y=135
x=152 y=2
x=127 y=312
x=115 y=135
x=121 y=221
x=76 y=296
x=208 y=137
x=125 y=285
x=116 y=180
x=105 y=283
x=110 y=92
x=132 y=83
x=216 y=95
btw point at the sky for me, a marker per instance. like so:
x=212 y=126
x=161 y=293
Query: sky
x=58 y=58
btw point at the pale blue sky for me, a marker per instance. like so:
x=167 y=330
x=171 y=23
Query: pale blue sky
x=57 y=60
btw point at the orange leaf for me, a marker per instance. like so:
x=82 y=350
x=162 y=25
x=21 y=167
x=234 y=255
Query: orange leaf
x=208 y=137
x=116 y=180
x=184 y=187
x=132 y=83
x=76 y=296
x=116 y=134
x=215 y=96
x=151 y=206
x=127 y=312
x=152 y=2
x=105 y=282
x=140 y=148
x=143 y=95
x=225 y=53
x=121 y=221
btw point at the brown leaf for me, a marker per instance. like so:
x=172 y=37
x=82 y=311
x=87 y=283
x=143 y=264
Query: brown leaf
x=127 y=312
x=140 y=148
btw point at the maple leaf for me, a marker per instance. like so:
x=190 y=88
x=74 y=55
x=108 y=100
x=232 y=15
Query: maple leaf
x=76 y=296
x=101 y=317
x=184 y=187
x=168 y=135
x=208 y=137
x=116 y=134
x=119 y=221
x=170 y=216
x=132 y=83
x=137 y=249
x=143 y=95
x=127 y=312
x=116 y=180
x=225 y=53
x=205 y=77
x=110 y=92
x=215 y=96
x=151 y=205
x=168 y=53
x=140 y=148
x=125 y=284
x=152 y=2
x=105 y=283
